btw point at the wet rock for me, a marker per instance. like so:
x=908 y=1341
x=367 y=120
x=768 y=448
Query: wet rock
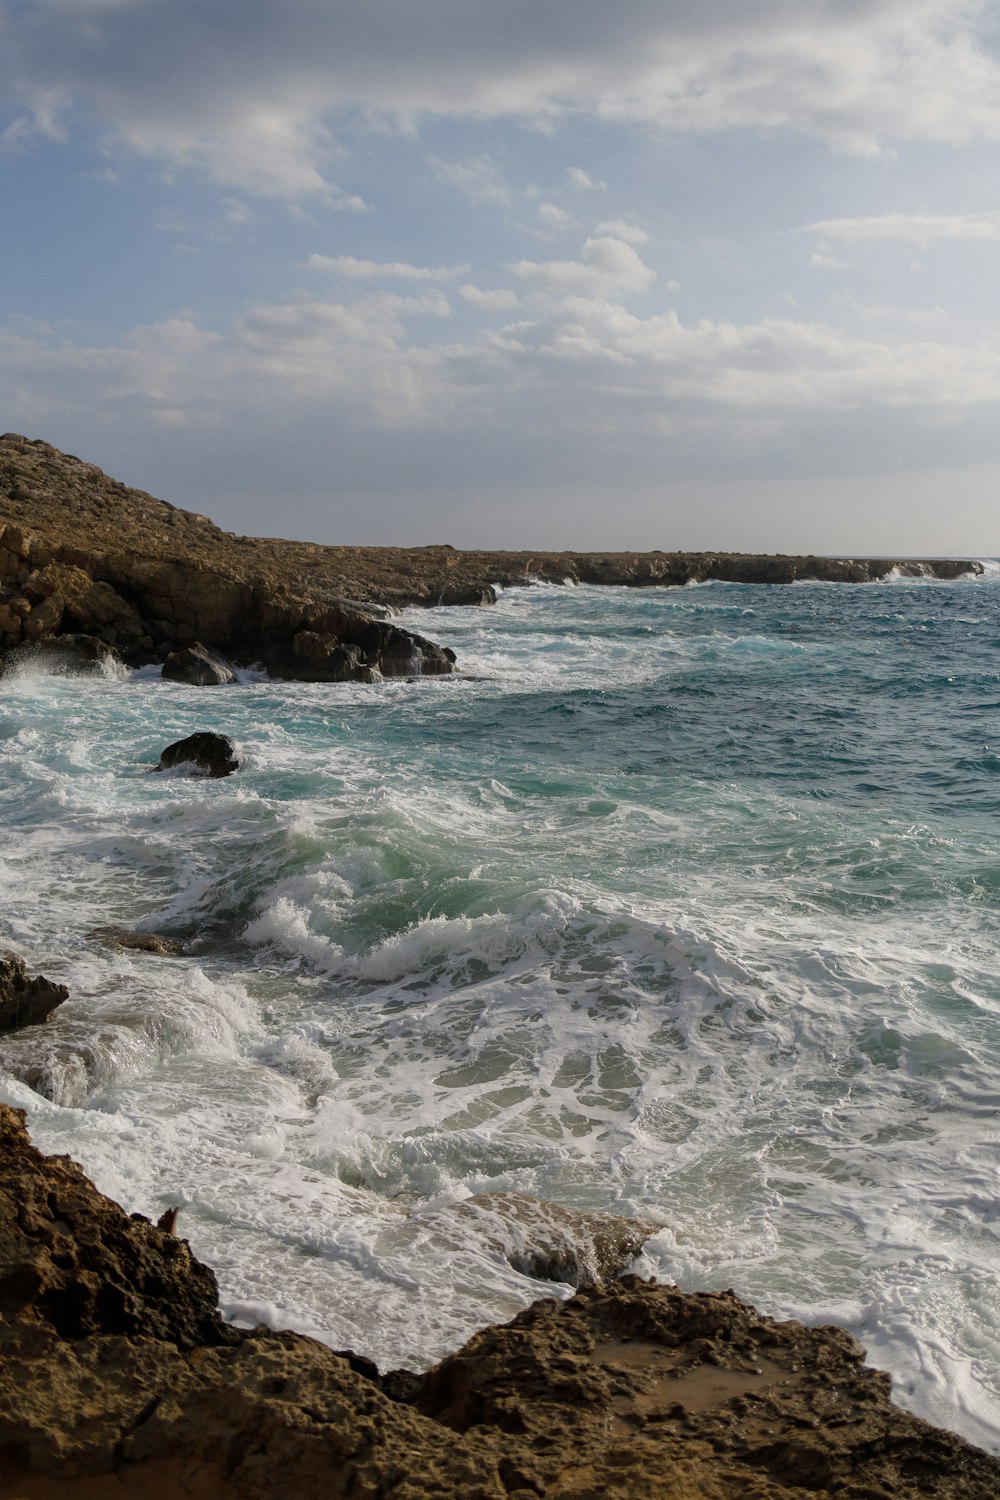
x=319 y=657
x=66 y=656
x=199 y=666
x=25 y=1001
x=206 y=753
x=545 y=1240
x=140 y=942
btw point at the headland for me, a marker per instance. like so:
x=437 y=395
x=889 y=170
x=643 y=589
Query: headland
x=80 y=553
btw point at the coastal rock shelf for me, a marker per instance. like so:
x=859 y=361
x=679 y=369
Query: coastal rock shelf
x=116 y=1362
x=81 y=553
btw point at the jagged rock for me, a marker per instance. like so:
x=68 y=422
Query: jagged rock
x=545 y=1240
x=115 y=1363
x=199 y=666
x=66 y=656
x=72 y=1263
x=635 y=1389
x=153 y=579
x=24 y=1001
x=315 y=657
x=210 y=754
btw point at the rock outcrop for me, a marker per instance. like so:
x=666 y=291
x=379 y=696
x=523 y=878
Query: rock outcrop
x=25 y=1001
x=116 y=1363
x=81 y=553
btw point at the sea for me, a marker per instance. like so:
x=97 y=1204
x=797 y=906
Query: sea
x=677 y=903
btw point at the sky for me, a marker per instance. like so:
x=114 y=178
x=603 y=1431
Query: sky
x=514 y=273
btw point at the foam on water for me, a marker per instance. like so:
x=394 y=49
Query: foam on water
x=681 y=904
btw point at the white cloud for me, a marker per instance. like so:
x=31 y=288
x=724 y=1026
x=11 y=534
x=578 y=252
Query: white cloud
x=370 y=270
x=583 y=180
x=824 y=262
x=236 y=211
x=553 y=217
x=477 y=179
x=623 y=231
x=500 y=300
x=607 y=266
x=248 y=95
x=913 y=229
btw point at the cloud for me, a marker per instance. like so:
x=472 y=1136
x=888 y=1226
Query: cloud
x=553 y=217
x=496 y=301
x=913 y=229
x=582 y=180
x=477 y=179
x=250 y=93
x=370 y=270
x=623 y=231
x=607 y=266
x=585 y=370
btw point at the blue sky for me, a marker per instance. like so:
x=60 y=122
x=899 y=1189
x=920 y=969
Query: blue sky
x=716 y=274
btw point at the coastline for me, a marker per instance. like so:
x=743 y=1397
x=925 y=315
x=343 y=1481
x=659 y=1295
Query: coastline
x=82 y=553
x=414 y=569
x=118 y=1365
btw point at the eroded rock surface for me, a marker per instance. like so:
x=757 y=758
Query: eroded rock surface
x=25 y=1001
x=115 y=1362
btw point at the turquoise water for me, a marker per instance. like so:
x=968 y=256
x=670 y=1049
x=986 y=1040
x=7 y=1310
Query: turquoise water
x=680 y=903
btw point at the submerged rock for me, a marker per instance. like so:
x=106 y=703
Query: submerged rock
x=208 y=753
x=199 y=666
x=140 y=942
x=24 y=1001
x=545 y=1240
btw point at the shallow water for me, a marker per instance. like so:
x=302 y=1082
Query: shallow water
x=681 y=903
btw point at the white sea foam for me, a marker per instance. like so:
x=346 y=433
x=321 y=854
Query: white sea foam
x=628 y=925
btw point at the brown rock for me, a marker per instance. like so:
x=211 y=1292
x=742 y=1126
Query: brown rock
x=24 y=1001
x=115 y=1364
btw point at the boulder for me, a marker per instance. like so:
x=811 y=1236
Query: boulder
x=199 y=666
x=24 y=1001
x=206 y=753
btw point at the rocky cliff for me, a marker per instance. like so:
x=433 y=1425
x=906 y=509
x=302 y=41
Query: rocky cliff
x=81 y=553
x=115 y=1362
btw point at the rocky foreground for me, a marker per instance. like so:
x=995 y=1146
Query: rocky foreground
x=115 y=1362
x=81 y=554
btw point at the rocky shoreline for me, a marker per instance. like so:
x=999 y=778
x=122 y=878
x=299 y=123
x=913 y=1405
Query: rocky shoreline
x=82 y=555
x=118 y=1369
